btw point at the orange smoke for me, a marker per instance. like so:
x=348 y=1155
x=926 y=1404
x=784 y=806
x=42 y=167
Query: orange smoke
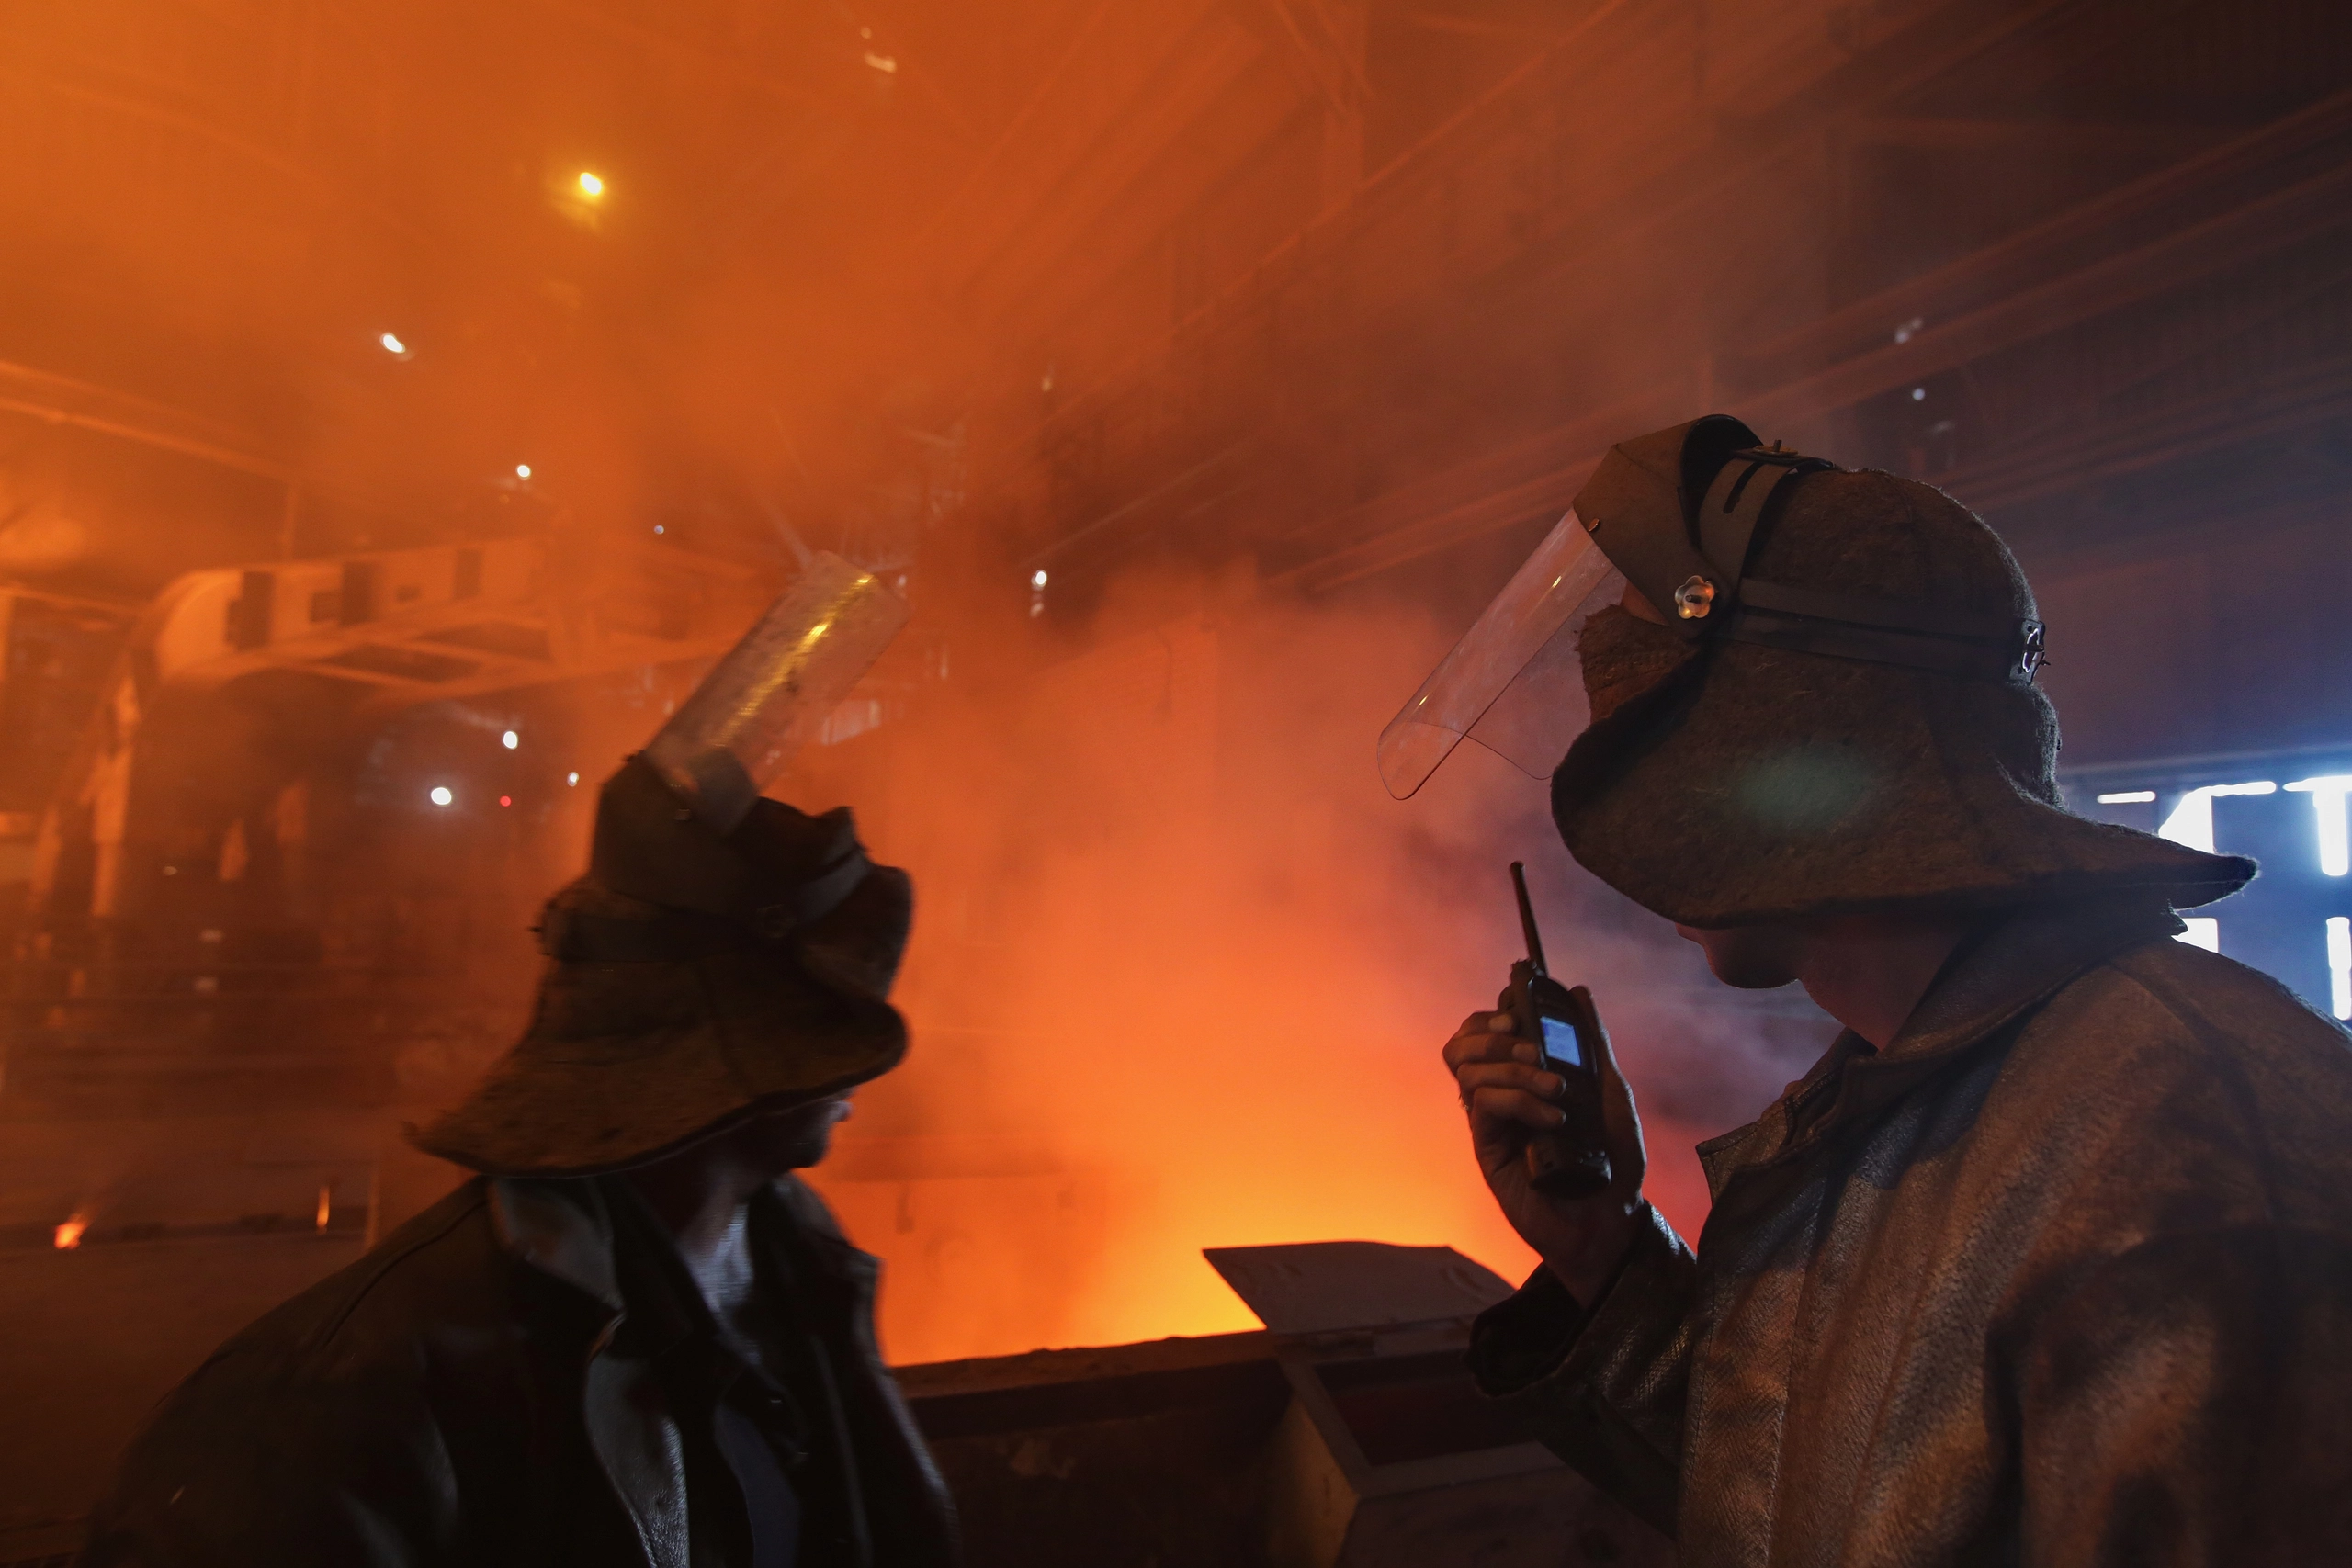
x=1180 y=976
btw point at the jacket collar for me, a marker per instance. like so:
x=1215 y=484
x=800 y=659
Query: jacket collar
x=559 y=1227
x=564 y=1228
x=2006 y=972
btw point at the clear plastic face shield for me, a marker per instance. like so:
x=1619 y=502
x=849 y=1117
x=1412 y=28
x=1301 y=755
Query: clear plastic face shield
x=761 y=704
x=1514 y=683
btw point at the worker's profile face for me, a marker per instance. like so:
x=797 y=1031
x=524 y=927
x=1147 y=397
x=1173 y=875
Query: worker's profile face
x=1753 y=958
x=793 y=1138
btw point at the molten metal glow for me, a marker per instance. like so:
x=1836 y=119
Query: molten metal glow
x=69 y=1235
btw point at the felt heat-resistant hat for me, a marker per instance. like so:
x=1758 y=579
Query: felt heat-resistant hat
x=1831 y=705
x=694 y=980
x=1725 y=780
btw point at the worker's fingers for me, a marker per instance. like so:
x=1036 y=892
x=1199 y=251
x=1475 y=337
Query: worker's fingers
x=1486 y=1037
x=1476 y=1075
x=1496 y=1113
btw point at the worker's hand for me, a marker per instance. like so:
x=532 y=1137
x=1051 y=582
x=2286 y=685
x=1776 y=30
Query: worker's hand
x=1510 y=1099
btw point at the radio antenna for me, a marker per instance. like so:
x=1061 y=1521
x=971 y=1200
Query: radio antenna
x=1527 y=917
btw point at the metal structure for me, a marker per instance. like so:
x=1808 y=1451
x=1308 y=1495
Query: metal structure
x=206 y=891
x=1347 y=1435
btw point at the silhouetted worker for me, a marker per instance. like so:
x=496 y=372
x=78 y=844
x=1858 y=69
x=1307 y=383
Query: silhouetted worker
x=636 y=1338
x=2049 y=1259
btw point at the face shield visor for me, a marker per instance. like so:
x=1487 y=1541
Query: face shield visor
x=767 y=698
x=1514 y=683
x=1679 y=509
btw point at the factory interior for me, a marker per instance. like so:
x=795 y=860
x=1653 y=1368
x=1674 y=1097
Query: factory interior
x=402 y=405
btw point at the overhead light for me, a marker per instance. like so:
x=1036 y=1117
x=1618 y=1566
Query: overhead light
x=590 y=186
x=393 y=346
x=657 y=527
x=881 y=62
x=572 y=779
x=439 y=795
x=1037 y=579
x=522 y=470
x=510 y=740
x=1918 y=394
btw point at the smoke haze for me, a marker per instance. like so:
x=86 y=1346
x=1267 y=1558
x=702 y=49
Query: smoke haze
x=1181 y=970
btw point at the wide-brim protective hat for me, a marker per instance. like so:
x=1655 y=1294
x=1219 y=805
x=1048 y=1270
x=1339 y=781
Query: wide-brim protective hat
x=694 y=980
x=1724 y=781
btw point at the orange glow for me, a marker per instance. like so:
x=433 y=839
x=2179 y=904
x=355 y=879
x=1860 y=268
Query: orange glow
x=326 y=1206
x=1182 y=971
x=591 y=186
x=69 y=1235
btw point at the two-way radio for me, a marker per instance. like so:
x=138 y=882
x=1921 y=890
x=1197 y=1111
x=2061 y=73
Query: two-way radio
x=1572 y=1160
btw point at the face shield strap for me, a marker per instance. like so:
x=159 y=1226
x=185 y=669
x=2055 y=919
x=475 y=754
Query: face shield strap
x=1735 y=500
x=1972 y=645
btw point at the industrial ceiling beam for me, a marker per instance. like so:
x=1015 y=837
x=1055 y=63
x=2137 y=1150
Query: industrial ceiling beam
x=2213 y=182
x=1942 y=38
x=2114 y=446
x=80 y=405
x=1507 y=488
x=2259 y=229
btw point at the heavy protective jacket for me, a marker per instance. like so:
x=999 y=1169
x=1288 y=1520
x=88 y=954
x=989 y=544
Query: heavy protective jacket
x=473 y=1393
x=2061 y=1277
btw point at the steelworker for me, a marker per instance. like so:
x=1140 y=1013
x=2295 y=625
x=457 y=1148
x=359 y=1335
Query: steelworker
x=636 y=1338
x=2048 y=1260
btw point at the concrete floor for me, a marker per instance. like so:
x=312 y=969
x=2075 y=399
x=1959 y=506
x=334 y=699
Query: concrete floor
x=94 y=1336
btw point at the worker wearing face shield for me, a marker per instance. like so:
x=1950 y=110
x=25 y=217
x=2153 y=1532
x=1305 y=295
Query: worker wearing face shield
x=636 y=1338
x=2048 y=1260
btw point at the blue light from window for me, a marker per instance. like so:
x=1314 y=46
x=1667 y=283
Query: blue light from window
x=2339 y=966
x=2191 y=822
x=2327 y=793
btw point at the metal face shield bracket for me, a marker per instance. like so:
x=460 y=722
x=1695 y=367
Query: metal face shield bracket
x=1676 y=511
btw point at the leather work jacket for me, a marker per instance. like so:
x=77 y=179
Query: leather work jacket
x=481 y=1390
x=2061 y=1277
